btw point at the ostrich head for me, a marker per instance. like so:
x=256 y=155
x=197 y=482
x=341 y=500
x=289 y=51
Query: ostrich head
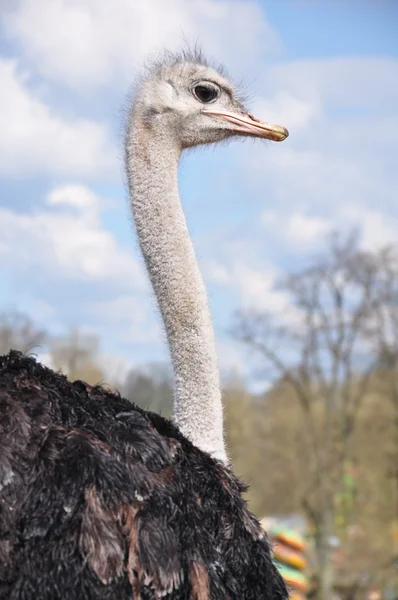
x=196 y=104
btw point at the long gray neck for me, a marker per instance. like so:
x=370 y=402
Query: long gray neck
x=152 y=163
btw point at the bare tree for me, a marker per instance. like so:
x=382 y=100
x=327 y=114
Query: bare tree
x=327 y=354
x=18 y=332
x=77 y=356
x=151 y=388
x=384 y=334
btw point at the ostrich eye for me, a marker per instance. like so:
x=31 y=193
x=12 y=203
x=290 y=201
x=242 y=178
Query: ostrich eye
x=205 y=93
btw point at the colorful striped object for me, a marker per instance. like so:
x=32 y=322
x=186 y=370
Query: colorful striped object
x=290 y=557
x=294 y=579
x=290 y=538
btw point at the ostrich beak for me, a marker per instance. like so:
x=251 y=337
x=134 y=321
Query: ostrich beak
x=249 y=124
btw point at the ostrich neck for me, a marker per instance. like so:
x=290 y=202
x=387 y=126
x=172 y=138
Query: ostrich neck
x=152 y=164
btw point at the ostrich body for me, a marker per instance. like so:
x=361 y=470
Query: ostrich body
x=98 y=498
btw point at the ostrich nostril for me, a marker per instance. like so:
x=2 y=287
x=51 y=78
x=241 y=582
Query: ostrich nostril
x=253 y=118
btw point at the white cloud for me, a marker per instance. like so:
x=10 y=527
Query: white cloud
x=217 y=272
x=132 y=316
x=78 y=196
x=377 y=229
x=300 y=232
x=255 y=287
x=35 y=140
x=66 y=239
x=344 y=82
x=83 y=43
x=285 y=107
x=342 y=118
x=297 y=230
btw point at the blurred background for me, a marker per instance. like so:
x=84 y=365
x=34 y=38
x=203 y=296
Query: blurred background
x=298 y=244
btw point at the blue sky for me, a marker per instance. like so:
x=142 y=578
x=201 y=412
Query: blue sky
x=327 y=70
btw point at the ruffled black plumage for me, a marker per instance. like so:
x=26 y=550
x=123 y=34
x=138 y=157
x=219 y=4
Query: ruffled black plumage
x=102 y=500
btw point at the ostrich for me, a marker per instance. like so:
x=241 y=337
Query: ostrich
x=98 y=498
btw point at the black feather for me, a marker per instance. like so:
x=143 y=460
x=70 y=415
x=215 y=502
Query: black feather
x=100 y=500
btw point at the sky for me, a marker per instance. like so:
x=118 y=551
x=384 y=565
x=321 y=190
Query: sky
x=325 y=69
